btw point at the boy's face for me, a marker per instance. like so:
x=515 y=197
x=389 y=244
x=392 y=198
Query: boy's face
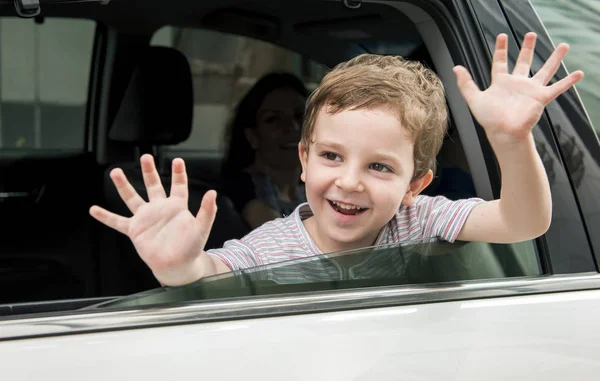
x=358 y=172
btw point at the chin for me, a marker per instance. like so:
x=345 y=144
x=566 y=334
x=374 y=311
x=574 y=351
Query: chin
x=349 y=238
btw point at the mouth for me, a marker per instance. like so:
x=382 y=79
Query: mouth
x=346 y=209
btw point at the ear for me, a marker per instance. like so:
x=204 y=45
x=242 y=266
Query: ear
x=251 y=137
x=303 y=154
x=415 y=187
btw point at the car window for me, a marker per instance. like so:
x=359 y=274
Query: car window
x=224 y=67
x=407 y=264
x=578 y=24
x=43 y=95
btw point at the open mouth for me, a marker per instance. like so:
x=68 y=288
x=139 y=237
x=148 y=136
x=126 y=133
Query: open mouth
x=346 y=209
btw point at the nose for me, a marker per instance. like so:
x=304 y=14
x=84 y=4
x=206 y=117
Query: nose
x=290 y=123
x=350 y=180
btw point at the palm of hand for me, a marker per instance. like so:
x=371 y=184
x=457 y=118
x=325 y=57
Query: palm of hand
x=514 y=102
x=165 y=233
x=511 y=106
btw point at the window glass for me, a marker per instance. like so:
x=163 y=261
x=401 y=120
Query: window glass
x=577 y=22
x=44 y=75
x=224 y=67
x=413 y=263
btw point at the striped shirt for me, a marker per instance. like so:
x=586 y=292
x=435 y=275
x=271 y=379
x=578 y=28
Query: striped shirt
x=284 y=239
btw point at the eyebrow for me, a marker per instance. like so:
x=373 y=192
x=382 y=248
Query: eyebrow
x=333 y=145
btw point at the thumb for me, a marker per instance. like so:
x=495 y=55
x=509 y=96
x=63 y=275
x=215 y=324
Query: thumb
x=467 y=87
x=208 y=211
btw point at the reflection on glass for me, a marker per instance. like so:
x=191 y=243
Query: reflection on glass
x=409 y=263
x=577 y=22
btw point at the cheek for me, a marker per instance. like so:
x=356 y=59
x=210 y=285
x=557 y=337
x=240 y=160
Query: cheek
x=388 y=193
x=267 y=139
x=318 y=177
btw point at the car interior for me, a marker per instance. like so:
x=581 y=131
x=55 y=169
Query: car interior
x=143 y=96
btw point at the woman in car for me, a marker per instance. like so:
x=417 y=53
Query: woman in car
x=261 y=169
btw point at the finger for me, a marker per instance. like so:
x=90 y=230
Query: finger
x=152 y=181
x=128 y=194
x=467 y=87
x=500 y=59
x=525 y=58
x=547 y=71
x=563 y=85
x=179 y=181
x=208 y=211
x=112 y=220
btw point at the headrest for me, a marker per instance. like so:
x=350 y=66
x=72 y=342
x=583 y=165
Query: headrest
x=158 y=104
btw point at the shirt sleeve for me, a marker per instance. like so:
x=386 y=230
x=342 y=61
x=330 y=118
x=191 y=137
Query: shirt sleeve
x=442 y=218
x=236 y=255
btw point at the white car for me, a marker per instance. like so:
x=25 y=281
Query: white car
x=90 y=85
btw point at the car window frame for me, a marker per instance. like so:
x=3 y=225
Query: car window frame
x=234 y=309
x=93 y=115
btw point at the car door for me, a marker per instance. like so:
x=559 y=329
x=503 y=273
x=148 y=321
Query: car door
x=390 y=326
x=466 y=318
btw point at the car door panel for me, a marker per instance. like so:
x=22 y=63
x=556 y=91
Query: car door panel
x=549 y=336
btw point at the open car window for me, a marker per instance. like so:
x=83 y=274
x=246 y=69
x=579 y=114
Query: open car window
x=390 y=265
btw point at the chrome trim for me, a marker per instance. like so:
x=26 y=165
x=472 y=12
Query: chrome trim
x=84 y=321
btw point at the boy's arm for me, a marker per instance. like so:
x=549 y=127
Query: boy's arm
x=524 y=209
x=508 y=110
x=204 y=265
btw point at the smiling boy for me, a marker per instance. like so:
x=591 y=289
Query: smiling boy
x=370 y=138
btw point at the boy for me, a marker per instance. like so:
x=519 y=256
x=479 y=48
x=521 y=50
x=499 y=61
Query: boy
x=370 y=137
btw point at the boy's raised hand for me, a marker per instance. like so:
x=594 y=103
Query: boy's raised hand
x=165 y=234
x=514 y=103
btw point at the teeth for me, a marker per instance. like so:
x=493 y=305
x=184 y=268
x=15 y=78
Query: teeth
x=346 y=206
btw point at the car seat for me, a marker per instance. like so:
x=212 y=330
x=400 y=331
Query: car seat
x=157 y=110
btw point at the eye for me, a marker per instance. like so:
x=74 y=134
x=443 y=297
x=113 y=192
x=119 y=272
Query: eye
x=271 y=119
x=380 y=167
x=330 y=156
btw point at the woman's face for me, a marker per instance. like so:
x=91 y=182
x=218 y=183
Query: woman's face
x=277 y=133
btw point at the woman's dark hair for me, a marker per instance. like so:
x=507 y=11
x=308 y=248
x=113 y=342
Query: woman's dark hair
x=239 y=152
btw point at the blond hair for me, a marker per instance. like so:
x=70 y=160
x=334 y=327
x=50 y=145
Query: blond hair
x=414 y=92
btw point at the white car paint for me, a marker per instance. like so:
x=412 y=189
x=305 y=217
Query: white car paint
x=537 y=337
